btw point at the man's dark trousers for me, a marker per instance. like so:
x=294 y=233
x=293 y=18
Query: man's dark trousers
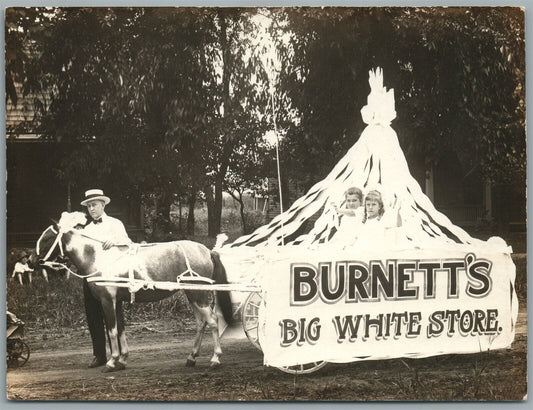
x=95 y=320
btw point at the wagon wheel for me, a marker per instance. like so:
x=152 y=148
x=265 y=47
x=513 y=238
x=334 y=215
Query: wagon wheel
x=250 y=317
x=303 y=368
x=18 y=353
x=250 y=324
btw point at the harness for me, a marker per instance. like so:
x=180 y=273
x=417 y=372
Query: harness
x=134 y=285
x=57 y=265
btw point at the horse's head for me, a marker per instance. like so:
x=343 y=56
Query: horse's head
x=49 y=244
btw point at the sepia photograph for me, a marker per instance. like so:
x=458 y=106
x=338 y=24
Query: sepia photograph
x=266 y=204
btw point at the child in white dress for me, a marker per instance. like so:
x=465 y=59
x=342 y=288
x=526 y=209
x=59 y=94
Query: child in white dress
x=350 y=215
x=22 y=269
x=378 y=228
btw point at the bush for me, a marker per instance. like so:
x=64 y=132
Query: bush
x=254 y=219
x=47 y=306
x=58 y=305
x=231 y=222
x=173 y=307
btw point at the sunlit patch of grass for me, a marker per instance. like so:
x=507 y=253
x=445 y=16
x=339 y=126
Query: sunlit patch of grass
x=230 y=223
x=57 y=306
x=47 y=305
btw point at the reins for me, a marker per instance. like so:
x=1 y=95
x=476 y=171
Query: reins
x=59 y=265
x=100 y=241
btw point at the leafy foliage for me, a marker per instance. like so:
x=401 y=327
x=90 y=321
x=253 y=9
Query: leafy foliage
x=167 y=102
x=458 y=75
x=160 y=99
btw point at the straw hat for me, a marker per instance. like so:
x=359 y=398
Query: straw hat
x=95 y=194
x=22 y=254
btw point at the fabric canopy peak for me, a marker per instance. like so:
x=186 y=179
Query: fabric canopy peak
x=375 y=162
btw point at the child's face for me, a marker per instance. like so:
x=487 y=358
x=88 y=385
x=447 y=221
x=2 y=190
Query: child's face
x=372 y=208
x=352 y=201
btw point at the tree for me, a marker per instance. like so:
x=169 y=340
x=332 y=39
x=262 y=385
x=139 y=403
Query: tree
x=458 y=75
x=246 y=173
x=156 y=100
x=242 y=99
x=20 y=31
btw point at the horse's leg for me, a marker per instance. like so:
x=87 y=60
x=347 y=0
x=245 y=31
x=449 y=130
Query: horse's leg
x=200 y=326
x=211 y=318
x=191 y=359
x=109 y=308
x=123 y=344
x=45 y=274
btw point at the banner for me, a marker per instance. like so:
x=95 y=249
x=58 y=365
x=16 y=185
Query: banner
x=350 y=306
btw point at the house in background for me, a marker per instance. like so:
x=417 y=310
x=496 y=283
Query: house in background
x=36 y=193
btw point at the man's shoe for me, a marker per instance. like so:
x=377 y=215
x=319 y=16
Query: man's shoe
x=97 y=362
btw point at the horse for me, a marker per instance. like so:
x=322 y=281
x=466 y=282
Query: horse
x=140 y=263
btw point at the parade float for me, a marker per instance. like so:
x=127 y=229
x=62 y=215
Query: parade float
x=413 y=285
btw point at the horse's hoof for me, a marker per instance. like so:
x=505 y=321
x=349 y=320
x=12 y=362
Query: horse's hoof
x=190 y=363
x=118 y=366
x=215 y=365
x=109 y=369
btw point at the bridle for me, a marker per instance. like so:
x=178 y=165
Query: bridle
x=57 y=242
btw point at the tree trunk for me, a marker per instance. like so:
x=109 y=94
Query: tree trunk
x=163 y=213
x=243 y=219
x=214 y=208
x=499 y=208
x=190 y=216
x=214 y=229
x=180 y=216
x=226 y=63
x=210 y=210
x=241 y=203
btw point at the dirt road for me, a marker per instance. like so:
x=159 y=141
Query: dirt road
x=57 y=370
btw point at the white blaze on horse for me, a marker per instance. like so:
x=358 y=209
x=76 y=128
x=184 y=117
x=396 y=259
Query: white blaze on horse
x=150 y=263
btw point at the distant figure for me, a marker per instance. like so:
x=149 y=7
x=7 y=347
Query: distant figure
x=350 y=216
x=33 y=263
x=22 y=269
x=111 y=232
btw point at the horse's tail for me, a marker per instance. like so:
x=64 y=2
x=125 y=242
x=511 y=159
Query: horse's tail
x=224 y=299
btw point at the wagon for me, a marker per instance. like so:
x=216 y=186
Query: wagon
x=395 y=222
